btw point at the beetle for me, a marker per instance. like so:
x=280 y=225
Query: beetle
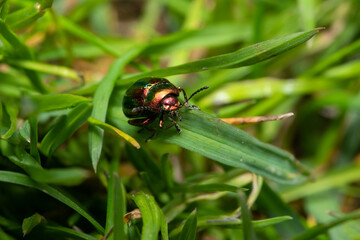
x=152 y=97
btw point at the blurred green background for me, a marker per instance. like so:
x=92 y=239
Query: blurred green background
x=64 y=61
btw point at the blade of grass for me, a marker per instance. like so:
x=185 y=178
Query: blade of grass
x=12 y=110
x=108 y=127
x=248 y=229
x=336 y=179
x=45 y=103
x=69 y=232
x=243 y=57
x=189 y=230
x=153 y=217
x=46 y=68
x=34 y=137
x=64 y=127
x=31 y=222
x=101 y=101
x=23 y=52
x=115 y=205
x=323 y=228
x=21 y=179
x=27 y=16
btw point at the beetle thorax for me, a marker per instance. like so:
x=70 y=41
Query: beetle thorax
x=170 y=103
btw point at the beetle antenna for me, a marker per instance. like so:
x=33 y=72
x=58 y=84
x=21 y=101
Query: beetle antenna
x=196 y=92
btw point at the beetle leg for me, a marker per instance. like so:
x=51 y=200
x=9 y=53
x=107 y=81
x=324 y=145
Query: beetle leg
x=174 y=124
x=136 y=109
x=143 y=122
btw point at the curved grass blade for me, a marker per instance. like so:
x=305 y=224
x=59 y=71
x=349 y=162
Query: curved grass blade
x=246 y=56
x=113 y=129
x=321 y=228
x=68 y=176
x=153 y=217
x=12 y=111
x=101 y=101
x=21 y=179
x=189 y=230
x=46 y=103
x=64 y=128
x=31 y=222
x=23 y=52
x=224 y=143
x=69 y=232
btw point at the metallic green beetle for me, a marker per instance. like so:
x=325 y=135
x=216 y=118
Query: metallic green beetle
x=149 y=98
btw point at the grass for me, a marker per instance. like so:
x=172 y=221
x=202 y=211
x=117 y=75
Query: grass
x=71 y=167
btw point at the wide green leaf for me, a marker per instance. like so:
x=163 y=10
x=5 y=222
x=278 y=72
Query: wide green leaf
x=229 y=145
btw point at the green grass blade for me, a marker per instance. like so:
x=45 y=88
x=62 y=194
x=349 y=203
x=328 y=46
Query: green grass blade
x=27 y=16
x=205 y=188
x=313 y=232
x=33 y=120
x=23 y=52
x=108 y=127
x=64 y=128
x=153 y=217
x=21 y=179
x=87 y=36
x=47 y=68
x=338 y=178
x=12 y=110
x=5 y=6
x=224 y=143
x=247 y=56
x=101 y=101
x=46 y=103
x=56 y=230
x=248 y=229
x=67 y=176
x=272 y=205
x=189 y=230
x=116 y=205
x=31 y=222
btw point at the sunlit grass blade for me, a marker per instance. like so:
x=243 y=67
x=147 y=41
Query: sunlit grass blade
x=263 y=87
x=21 y=179
x=189 y=230
x=336 y=179
x=64 y=127
x=27 y=16
x=243 y=57
x=321 y=228
x=23 y=52
x=47 y=68
x=227 y=221
x=101 y=101
x=31 y=222
x=153 y=217
x=110 y=128
x=224 y=143
x=205 y=188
